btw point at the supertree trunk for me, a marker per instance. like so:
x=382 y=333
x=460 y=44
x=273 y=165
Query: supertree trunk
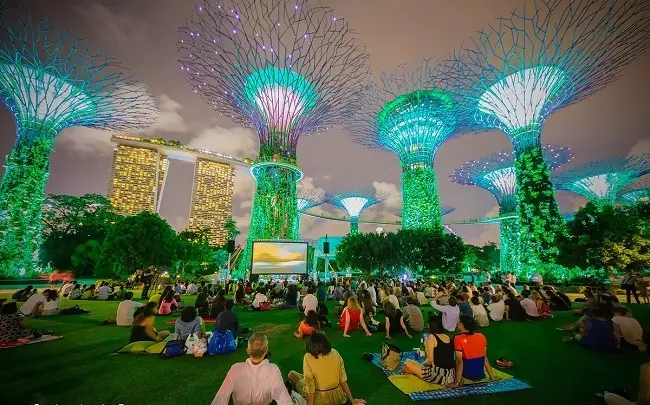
x=509 y=237
x=420 y=201
x=540 y=221
x=354 y=225
x=21 y=200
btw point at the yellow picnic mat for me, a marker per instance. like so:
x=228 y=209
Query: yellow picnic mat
x=408 y=383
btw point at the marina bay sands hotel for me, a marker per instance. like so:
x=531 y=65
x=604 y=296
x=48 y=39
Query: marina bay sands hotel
x=139 y=173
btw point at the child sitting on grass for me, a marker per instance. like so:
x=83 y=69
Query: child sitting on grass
x=307 y=327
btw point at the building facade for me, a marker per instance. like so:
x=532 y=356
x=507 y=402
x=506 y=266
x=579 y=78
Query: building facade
x=139 y=174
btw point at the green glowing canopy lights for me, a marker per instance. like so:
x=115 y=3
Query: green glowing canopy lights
x=521 y=101
x=603 y=181
x=281 y=95
x=640 y=191
x=414 y=125
x=497 y=174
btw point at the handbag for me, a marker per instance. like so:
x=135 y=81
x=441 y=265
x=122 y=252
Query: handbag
x=265 y=306
x=391 y=356
x=221 y=343
x=173 y=348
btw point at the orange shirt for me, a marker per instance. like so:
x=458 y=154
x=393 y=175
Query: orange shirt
x=473 y=346
x=305 y=329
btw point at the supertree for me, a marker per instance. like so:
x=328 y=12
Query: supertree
x=411 y=114
x=635 y=192
x=444 y=210
x=496 y=174
x=308 y=199
x=284 y=69
x=602 y=181
x=51 y=80
x=354 y=202
x=528 y=65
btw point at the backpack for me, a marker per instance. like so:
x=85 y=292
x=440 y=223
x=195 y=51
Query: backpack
x=73 y=311
x=221 y=343
x=173 y=348
x=391 y=356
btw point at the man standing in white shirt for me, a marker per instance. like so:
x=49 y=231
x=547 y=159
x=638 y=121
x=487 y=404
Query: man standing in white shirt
x=255 y=381
x=529 y=305
x=126 y=309
x=310 y=302
x=104 y=292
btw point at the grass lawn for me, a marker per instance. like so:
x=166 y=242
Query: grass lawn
x=79 y=368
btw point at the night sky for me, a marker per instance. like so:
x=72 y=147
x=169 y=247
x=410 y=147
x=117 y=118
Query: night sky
x=143 y=34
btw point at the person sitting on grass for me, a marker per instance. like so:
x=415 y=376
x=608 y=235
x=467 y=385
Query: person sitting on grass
x=228 y=320
x=51 y=303
x=240 y=294
x=439 y=366
x=413 y=315
x=628 y=331
x=201 y=302
x=126 y=310
x=595 y=332
x=471 y=353
x=168 y=304
x=188 y=324
x=12 y=326
x=394 y=322
x=143 y=329
x=368 y=306
x=529 y=305
x=352 y=317
x=479 y=313
x=556 y=302
x=542 y=307
x=255 y=381
x=104 y=292
x=309 y=301
x=34 y=304
x=218 y=304
x=308 y=326
x=450 y=311
x=259 y=298
x=496 y=308
x=89 y=293
x=590 y=300
x=514 y=310
x=324 y=380
x=463 y=305
x=291 y=297
x=392 y=297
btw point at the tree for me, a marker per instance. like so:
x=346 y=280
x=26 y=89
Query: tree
x=231 y=229
x=139 y=241
x=92 y=255
x=613 y=238
x=70 y=221
x=195 y=256
x=485 y=258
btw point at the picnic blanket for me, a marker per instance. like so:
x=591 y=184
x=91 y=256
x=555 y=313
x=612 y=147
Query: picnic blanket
x=44 y=338
x=205 y=320
x=419 y=390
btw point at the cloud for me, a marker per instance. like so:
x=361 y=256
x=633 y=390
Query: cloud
x=394 y=199
x=85 y=141
x=327 y=177
x=169 y=119
x=120 y=29
x=237 y=141
x=246 y=204
x=244 y=185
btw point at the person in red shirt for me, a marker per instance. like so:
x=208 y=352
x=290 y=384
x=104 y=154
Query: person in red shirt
x=471 y=353
x=352 y=318
x=308 y=326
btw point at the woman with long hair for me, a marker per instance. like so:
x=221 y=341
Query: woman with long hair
x=167 y=304
x=542 y=307
x=51 y=304
x=143 y=329
x=352 y=317
x=308 y=326
x=394 y=320
x=367 y=305
x=240 y=294
x=439 y=366
x=324 y=380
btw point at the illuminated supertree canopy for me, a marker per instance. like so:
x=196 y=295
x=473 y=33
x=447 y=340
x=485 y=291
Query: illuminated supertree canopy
x=411 y=114
x=526 y=66
x=51 y=80
x=603 y=181
x=496 y=174
x=636 y=192
x=354 y=202
x=284 y=69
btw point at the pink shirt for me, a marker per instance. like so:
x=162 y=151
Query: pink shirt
x=253 y=384
x=166 y=307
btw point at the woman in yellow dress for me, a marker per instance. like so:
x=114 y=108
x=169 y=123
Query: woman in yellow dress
x=324 y=381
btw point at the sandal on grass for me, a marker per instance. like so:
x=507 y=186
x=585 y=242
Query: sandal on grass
x=503 y=362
